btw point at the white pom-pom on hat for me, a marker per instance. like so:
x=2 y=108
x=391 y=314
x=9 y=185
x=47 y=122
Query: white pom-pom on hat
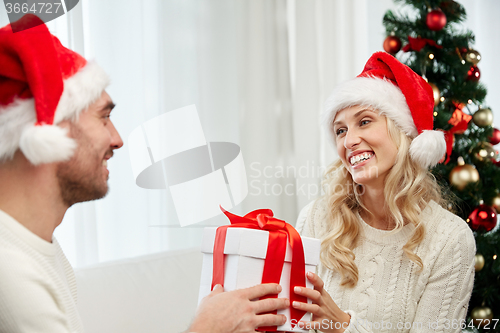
x=46 y=144
x=428 y=148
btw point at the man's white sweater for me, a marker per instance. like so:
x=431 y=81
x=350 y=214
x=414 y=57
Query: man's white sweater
x=391 y=295
x=37 y=284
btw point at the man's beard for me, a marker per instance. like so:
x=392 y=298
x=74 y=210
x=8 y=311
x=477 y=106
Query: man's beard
x=79 y=189
x=80 y=179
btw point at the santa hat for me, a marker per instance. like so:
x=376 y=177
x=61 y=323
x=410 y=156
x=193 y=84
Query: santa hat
x=400 y=94
x=41 y=84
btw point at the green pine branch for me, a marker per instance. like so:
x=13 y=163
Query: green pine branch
x=447 y=67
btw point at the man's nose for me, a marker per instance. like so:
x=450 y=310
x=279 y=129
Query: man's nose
x=116 y=140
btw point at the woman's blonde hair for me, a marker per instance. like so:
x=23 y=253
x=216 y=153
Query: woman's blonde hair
x=407 y=190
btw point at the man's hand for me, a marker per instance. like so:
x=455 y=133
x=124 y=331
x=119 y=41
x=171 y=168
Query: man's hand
x=235 y=312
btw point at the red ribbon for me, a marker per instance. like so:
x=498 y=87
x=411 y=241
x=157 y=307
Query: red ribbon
x=275 y=258
x=416 y=44
x=460 y=122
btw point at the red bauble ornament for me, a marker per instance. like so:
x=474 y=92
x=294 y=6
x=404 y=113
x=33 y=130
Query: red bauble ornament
x=495 y=137
x=392 y=44
x=483 y=217
x=436 y=20
x=473 y=74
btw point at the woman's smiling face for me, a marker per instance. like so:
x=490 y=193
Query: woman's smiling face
x=364 y=144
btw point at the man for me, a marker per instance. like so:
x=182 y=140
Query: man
x=55 y=140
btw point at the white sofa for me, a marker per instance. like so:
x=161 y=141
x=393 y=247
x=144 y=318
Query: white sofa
x=149 y=294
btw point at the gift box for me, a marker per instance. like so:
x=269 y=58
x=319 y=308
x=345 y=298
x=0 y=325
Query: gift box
x=257 y=249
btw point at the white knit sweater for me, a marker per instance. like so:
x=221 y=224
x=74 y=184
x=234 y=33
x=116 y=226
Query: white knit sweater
x=37 y=283
x=391 y=296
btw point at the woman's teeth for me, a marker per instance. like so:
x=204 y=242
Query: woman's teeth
x=105 y=163
x=360 y=158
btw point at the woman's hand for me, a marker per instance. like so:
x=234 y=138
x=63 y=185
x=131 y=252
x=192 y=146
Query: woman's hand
x=327 y=316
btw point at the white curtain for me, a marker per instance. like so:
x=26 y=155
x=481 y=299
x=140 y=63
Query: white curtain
x=258 y=72
x=230 y=58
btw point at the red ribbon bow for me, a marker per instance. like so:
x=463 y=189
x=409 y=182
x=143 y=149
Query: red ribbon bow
x=275 y=258
x=460 y=122
x=416 y=44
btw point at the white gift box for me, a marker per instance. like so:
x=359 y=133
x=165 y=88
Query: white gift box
x=245 y=251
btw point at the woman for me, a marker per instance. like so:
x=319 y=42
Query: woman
x=392 y=259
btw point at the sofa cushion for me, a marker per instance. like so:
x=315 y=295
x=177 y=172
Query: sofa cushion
x=148 y=294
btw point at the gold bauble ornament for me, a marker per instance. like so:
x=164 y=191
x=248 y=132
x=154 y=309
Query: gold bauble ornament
x=462 y=175
x=435 y=93
x=483 y=152
x=473 y=56
x=479 y=262
x=481 y=315
x=483 y=117
x=495 y=203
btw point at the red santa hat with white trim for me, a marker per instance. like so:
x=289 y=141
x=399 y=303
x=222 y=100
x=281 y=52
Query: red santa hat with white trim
x=400 y=94
x=41 y=84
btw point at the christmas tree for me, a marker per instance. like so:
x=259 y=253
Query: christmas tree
x=430 y=38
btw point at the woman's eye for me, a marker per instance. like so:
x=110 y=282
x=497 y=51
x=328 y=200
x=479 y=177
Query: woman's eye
x=340 y=131
x=365 y=121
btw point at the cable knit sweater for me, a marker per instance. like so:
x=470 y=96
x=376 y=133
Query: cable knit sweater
x=37 y=283
x=391 y=296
